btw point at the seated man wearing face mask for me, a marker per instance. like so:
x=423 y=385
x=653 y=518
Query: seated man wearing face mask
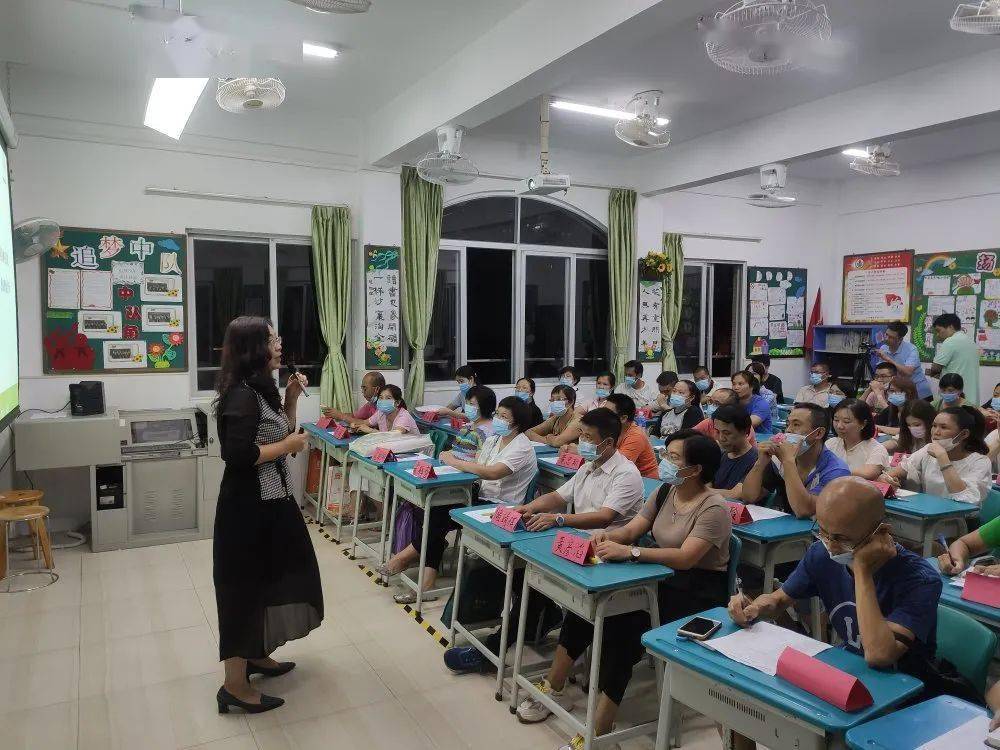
x=798 y=466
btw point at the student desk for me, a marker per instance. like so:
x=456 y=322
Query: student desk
x=443 y=424
x=951 y=596
x=594 y=592
x=911 y=727
x=337 y=450
x=493 y=545
x=919 y=518
x=541 y=449
x=550 y=476
x=767 y=709
x=379 y=484
x=425 y=494
x=774 y=541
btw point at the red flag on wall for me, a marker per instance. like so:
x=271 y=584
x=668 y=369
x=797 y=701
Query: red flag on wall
x=815 y=318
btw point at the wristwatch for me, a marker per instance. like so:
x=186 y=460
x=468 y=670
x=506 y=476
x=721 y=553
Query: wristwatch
x=560 y=519
x=635 y=554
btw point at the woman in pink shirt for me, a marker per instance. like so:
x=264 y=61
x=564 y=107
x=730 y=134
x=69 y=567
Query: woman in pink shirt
x=390 y=414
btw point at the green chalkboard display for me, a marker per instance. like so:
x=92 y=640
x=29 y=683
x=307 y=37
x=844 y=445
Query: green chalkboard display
x=966 y=283
x=776 y=311
x=114 y=301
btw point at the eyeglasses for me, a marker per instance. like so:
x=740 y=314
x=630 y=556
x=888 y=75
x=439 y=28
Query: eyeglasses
x=841 y=541
x=274 y=340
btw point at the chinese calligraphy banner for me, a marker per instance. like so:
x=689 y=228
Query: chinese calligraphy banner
x=877 y=287
x=114 y=301
x=966 y=283
x=776 y=311
x=650 y=310
x=383 y=327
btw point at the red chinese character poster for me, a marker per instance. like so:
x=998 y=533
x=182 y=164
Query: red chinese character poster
x=877 y=287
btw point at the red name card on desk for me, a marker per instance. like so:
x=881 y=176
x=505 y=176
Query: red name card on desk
x=423 y=470
x=507 y=519
x=885 y=488
x=429 y=416
x=339 y=431
x=324 y=422
x=457 y=422
x=577 y=549
x=836 y=687
x=569 y=460
x=383 y=455
x=739 y=513
x=981 y=589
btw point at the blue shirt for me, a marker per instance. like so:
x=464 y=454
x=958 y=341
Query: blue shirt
x=827 y=468
x=758 y=406
x=907 y=589
x=907 y=355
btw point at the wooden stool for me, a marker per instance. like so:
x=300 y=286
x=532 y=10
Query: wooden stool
x=34 y=516
x=12 y=498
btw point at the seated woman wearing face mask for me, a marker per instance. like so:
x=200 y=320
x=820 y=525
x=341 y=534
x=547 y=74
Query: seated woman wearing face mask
x=466 y=377
x=480 y=403
x=951 y=391
x=605 y=387
x=955 y=464
x=562 y=426
x=747 y=388
x=685 y=410
x=916 y=420
x=899 y=392
x=568 y=376
x=524 y=389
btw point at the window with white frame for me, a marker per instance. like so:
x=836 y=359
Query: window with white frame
x=521 y=289
x=264 y=276
x=711 y=318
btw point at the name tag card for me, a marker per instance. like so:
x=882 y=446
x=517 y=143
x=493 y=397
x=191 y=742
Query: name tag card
x=429 y=416
x=643 y=415
x=339 y=431
x=423 y=470
x=885 y=488
x=843 y=690
x=577 y=549
x=324 y=422
x=897 y=459
x=981 y=589
x=457 y=422
x=507 y=519
x=569 y=460
x=738 y=513
x=383 y=455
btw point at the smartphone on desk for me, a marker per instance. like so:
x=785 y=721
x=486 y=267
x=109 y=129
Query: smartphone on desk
x=698 y=628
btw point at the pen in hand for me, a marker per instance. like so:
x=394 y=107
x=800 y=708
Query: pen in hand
x=941 y=540
x=743 y=597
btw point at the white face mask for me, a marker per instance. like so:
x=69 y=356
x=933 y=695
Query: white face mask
x=949 y=444
x=844 y=558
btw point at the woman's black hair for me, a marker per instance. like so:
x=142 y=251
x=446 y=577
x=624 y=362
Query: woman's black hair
x=486 y=399
x=750 y=377
x=952 y=380
x=894 y=414
x=606 y=422
x=699 y=450
x=571 y=371
x=691 y=387
x=397 y=395
x=246 y=355
x=699 y=368
x=861 y=412
x=467 y=372
x=519 y=411
x=529 y=381
x=566 y=391
x=758 y=370
x=971 y=419
x=610 y=376
x=919 y=409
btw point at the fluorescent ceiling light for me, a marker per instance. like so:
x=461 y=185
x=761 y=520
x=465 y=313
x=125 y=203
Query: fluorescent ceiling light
x=171 y=103
x=314 y=49
x=855 y=153
x=611 y=114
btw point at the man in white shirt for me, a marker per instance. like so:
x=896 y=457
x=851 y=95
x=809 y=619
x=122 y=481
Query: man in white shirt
x=606 y=492
x=637 y=389
x=818 y=390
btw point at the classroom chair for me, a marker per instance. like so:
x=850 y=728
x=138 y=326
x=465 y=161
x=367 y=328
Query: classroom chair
x=530 y=494
x=768 y=501
x=440 y=440
x=966 y=643
x=735 y=549
x=990 y=508
x=41 y=546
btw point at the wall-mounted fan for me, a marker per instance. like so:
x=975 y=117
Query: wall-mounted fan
x=33 y=237
x=336 y=6
x=447 y=166
x=772 y=184
x=977 y=18
x=648 y=127
x=877 y=162
x=250 y=94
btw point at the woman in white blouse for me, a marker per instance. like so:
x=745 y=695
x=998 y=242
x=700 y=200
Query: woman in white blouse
x=855 y=443
x=954 y=464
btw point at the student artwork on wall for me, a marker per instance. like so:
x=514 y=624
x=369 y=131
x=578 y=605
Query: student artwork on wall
x=650 y=310
x=966 y=283
x=382 y=314
x=877 y=288
x=114 y=301
x=776 y=311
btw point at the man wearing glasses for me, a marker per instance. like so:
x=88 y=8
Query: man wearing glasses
x=882 y=599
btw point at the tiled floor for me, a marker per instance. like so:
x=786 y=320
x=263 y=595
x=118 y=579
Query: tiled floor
x=121 y=654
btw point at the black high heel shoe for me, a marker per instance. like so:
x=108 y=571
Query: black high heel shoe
x=283 y=668
x=227 y=700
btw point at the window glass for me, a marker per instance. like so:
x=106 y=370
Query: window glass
x=548 y=224
x=480 y=220
x=544 y=315
x=593 y=302
x=442 y=338
x=298 y=317
x=489 y=276
x=725 y=303
x=687 y=343
x=232 y=278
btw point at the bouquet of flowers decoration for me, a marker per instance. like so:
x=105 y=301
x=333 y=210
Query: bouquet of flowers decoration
x=656 y=265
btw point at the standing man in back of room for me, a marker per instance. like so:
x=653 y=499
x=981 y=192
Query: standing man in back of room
x=957 y=353
x=897 y=351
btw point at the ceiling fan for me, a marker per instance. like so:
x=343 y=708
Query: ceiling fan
x=977 y=18
x=447 y=166
x=875 y=161
x=772 y=182
x=646 y=127
x=336 y=6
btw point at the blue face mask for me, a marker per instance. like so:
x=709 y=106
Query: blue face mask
x=630 y=380
x=897 y=399
x=834 y=398
x=709 y=410
x=557 y=407
x=949 y=396
x=523 y=395
x=793 y=438
x=677 y=401
x=588 y=451
x=995 y=403
x=703 y=385
x=464 y=388
x=815 y=378
x=668 y=471
x=385 y=405
x=567 y=380
x=602 y=393
x=471 y=412
x=501 y=427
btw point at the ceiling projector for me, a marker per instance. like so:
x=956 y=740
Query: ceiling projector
x=543 y=184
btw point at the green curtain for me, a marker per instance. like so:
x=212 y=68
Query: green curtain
x=422 y=207
x=331 y=256
x=623 y=273
x=673 y=294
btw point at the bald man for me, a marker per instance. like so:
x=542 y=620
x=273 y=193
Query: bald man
x=371 y=384
x=882 y=599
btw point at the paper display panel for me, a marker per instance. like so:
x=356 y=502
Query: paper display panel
x=383 y=340
x=989 y=313
x=162 y=318
x=161 y=288
x=935 y=285
x=796 y=307
x=938 y=305
x=103 y=324
x=775 y=295
x=758 y=326
x=126 y=272
x=648 y=318
x=967 y=283
x=877 y=287
x=758 y=308
x=63 y=289
x=125 y=354
x=991 y=288
x=758 y=292
x=776 y=303
x=796 y=337
x=779 y=330
x=776 y=312
x=95 y=290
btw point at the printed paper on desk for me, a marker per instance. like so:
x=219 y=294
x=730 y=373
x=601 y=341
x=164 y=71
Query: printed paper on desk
x=835 y=686
x=324 y=422
x=981 y=589
x=760 y=513
x=969 y=734
x=577 y=549
x=761 y=645
x=569 y=460
x=483 y=515
x=404 y=457
x=900 y=492
x=507 y=519
x=738 y=513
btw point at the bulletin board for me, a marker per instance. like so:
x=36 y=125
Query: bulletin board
x=966 y=283
x=114 y=302
x=776 y=311
x=649 y=316
x=877 y=288
x=382 y=314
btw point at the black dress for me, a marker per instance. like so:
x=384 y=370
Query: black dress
x=267 y=585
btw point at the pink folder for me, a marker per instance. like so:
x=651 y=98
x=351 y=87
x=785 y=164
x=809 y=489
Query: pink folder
x=843 y=690
x=981 y=589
